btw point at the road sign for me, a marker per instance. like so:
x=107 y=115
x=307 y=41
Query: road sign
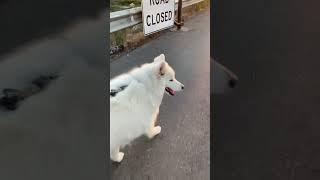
x=157 y=15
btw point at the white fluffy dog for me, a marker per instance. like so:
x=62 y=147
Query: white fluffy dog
x=135 y=98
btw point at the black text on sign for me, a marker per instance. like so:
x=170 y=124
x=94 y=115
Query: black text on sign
x=157 y=15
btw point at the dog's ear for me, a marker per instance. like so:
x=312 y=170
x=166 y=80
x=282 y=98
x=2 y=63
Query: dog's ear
x=161 y=68
x=160 y=58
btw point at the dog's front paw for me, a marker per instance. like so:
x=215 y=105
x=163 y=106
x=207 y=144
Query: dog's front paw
x=118 y=158
x=154 y=131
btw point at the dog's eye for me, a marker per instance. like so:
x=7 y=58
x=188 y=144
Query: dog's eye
x=171 y=79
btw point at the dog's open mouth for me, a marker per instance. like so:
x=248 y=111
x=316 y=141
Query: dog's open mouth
x=170 y=91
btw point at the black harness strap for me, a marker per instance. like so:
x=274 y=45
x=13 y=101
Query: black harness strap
x=113 y=92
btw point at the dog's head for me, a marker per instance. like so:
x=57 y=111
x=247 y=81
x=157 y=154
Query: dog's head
x=166 y=73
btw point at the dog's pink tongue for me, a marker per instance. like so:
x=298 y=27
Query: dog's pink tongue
x=173 y=92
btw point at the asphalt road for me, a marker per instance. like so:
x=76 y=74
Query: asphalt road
x=60 y=132
x=268 y=127
x=182 y=150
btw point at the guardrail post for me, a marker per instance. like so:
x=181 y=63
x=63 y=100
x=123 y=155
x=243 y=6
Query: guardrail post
x=131 y=11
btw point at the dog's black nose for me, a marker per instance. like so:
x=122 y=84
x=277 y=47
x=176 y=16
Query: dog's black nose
x=182 y=87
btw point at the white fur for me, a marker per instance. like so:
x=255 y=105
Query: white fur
x=134 y=110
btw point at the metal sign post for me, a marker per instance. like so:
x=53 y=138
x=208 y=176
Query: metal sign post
x=179 y=21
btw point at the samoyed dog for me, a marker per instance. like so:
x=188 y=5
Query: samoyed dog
x=135 y=98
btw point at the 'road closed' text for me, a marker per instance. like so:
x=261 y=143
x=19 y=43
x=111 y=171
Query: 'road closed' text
x=157 y=15
x=153 y=19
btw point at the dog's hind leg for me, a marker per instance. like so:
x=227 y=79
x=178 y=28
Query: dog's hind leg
x=153 y=130
x=116 y=155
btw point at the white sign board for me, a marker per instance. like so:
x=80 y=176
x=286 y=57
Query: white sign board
x=157 y=15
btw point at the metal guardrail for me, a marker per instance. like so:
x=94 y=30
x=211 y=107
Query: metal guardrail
x=127 y=18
